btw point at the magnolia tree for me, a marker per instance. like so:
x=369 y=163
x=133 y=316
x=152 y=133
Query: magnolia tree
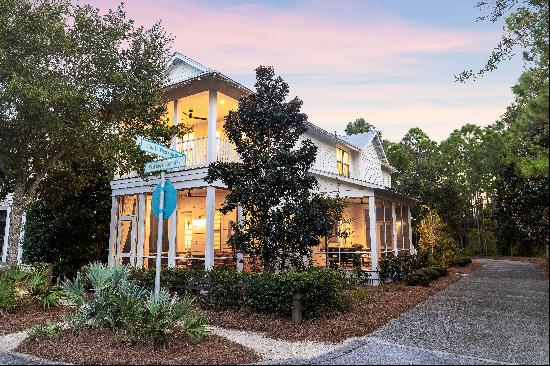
x=283 y=215
x=74 y=84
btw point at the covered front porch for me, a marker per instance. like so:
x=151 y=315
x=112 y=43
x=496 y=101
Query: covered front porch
x=196 y=234
x=373 y=227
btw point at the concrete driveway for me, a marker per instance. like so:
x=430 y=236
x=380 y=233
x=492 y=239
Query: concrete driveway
x=498 y=314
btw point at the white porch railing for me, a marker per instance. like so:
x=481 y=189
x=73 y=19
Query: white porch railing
x=195 y=150
x=226 y=151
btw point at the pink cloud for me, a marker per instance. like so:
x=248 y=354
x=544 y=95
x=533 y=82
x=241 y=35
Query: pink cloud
x=320 y=46
x=301 y=40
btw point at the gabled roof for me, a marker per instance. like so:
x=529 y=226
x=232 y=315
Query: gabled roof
x=324 y=135
x=182 y=69
x=362 y=140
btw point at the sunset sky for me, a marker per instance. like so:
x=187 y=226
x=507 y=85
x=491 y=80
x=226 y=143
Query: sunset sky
x=389 y=61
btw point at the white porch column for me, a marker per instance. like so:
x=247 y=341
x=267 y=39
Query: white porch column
x=373 y=239
x=142 y=200
x=210 y=191
x=112 y=232
x=172 y=229
x=394 y=229
x=212 y=118
x=21 y=237
x=176 y=120
x=412 y=249
x=6 y=234
x=240 y=256
x=209 y=245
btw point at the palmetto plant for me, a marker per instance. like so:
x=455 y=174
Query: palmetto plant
x=164 y=313
x=130 y=310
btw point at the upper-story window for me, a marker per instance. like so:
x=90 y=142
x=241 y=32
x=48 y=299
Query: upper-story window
x=342 y=162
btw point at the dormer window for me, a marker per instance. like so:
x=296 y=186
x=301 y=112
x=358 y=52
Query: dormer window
x=342 y=162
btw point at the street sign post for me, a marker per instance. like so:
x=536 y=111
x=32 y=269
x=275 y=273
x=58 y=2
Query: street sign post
x=154 y=148
x=166 y=164
x=170 y=199
x=165 y=195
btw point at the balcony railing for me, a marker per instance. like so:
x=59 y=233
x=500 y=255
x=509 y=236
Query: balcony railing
x=226 y=151
x=195 y=150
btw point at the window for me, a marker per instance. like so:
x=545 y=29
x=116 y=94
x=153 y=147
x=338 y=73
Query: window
x=384 y=222
x=342 y=162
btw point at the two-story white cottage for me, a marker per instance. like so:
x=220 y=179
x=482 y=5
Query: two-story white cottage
x=355 y=167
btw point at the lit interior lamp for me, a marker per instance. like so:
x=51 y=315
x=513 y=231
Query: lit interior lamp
x=199 y=223
x=222 y=101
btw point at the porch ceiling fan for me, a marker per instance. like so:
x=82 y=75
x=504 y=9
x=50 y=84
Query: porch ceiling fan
x=190 y=115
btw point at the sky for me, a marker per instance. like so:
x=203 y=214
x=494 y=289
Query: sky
x=391 y=62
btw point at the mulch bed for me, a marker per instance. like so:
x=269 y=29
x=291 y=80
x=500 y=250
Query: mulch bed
x=386 y=303
x=98 y=346
x=27 y=315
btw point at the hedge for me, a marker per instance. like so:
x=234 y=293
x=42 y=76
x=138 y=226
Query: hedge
x=322 y=289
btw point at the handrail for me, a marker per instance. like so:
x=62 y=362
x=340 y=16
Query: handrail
x=195 y=150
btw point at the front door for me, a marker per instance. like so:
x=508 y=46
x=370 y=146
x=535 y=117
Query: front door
x=126 y=240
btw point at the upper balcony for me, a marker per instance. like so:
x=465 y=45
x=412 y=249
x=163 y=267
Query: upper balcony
x=196 y=148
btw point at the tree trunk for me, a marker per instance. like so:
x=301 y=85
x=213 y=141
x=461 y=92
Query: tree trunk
x=16 y=218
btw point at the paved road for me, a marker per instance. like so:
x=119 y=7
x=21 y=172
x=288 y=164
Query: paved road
x=498 y=314
x=19 y=359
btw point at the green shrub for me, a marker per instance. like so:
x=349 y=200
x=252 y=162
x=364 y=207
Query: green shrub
x=441 y=271
x=8 y=298
x=396 y=269
x=38 y=281
x=431 y=272
x=361 y=294
x=225 y=289
x=459 y=261
x=46 y=331
x=183 y=281
x=164 y=313
x=417 y=278
x=51 y=297
x=322 y=289
x=22 y=284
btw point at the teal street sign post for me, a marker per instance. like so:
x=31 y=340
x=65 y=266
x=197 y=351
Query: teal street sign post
x=170 y=199
x=166 y=164
x=154 y=148
x=165 y=195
